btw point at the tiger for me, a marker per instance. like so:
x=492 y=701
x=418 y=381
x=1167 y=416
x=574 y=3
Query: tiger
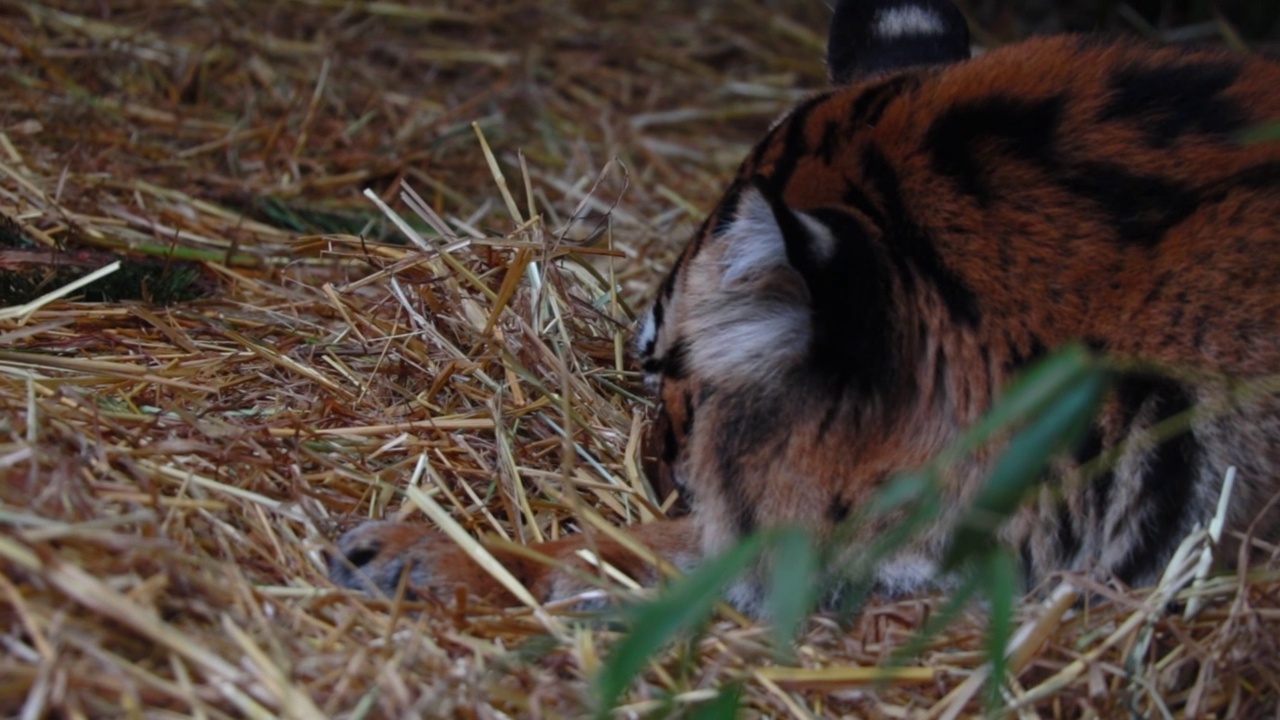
x=902 y=245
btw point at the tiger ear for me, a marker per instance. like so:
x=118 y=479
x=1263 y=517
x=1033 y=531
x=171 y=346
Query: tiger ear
x=842 y=321
x=873 y=36
x=765 y=234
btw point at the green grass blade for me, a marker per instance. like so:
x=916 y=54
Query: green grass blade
x=999 y=572
x=683 y=605
x=792 y=590
x=1268 y=132
x=723 y=707
x=903 y=490
x=1027 y=396
x=1061 y=422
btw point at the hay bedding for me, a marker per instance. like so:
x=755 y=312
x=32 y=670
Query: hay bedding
x=173 y=474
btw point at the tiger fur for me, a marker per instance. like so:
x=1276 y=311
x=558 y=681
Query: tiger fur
x=900 y=246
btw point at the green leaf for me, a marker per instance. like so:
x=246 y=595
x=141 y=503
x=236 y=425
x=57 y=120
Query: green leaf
x=1061 y=421
x=723 y=707
x=904 y=490
x=686 y=603
x=792 y=590
x=999 y=572
x=918 y=496
x=1268 y=132
x=1027 y=396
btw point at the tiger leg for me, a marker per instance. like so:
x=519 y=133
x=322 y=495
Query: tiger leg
x=377 y=555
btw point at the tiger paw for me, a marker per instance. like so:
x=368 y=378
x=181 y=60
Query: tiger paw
x=378 y=556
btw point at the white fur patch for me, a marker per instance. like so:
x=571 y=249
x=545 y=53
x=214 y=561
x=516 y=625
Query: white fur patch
x=753 y=341
x=743 y=334
x=907 y=21
x=746 y=596
x=822 y=242
x=907 y=574
x=753 y=241
x=648 y=332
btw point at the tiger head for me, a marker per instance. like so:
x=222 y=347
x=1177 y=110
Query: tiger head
x=777 y=309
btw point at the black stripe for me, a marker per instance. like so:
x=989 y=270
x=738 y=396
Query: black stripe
x=838 y=510
x=910 y=248
x=675 y=365
x=1167 y=487
x=871 y=102
x=751 y=432
x=966 y=138
x=1089 y=448
x=1066 y=538
x=970 y=138
x=1168 y=102
x=833 y=135
x=726 y=212
x=752 y=163
x=1100 y=488
x=795 y=142
x=690 y=407
x=1029 y=569
x=670 y=442
x=1020 y=358
x=668 y=287
x=741 y=507
x=1259 y=177
x=1142 y=208
x=835 y=406
x=856 y=198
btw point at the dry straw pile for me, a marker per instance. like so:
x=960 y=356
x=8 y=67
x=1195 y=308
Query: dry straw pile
x=174 y=467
